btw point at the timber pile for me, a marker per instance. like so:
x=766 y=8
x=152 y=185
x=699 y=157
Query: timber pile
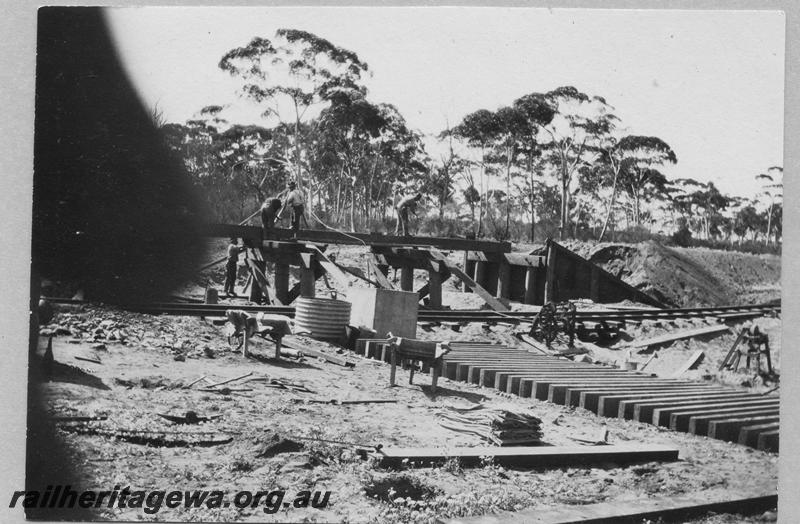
x=502 y=428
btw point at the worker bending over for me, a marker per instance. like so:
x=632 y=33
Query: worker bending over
x=404 y=207
x=269 y=212
x=296 y=202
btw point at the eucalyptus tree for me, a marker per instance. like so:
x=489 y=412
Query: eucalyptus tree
x=291 y=73
x=573 y=138
x=479 y=130
x=772 y=189
x=632 y=161
x=537 y=111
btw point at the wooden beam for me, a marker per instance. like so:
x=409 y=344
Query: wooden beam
x=282 y=282
x=529 y=456
x=407 y=278
x=695 y=359
x=728 y=429
x=335 y=237
x=669 y=509
x=530 y=286
x=671 y=337
x=480 y=291
x=380 y=276
x=306 y=351
x=435 y=285
x=504 y=280
x=262 y=281
x=331 y=268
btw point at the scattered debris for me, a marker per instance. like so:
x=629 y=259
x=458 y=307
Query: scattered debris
x=338 y=402
x=191 y=417
x=157 y=438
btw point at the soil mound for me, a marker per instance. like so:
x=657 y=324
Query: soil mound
x=688 y=277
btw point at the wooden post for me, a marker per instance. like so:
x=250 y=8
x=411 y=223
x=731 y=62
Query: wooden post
x=256 y=293
x=393 y=371
x=469 y=269
x=491 y=277
x=308 y=287
x=480 y=273
x=594 y=284
x=282 y=282
x=407 y=278
x=435 y=286
x=503 y=280
x=530 y=285
x=550 y=291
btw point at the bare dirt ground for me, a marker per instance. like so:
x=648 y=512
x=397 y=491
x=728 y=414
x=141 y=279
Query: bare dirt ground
x=139 y=377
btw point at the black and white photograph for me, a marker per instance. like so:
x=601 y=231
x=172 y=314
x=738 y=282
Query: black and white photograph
x=405 y=264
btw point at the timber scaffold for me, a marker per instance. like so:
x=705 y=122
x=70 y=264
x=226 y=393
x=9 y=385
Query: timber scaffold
x=489 y=269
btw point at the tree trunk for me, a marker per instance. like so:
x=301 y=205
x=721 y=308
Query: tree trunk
x=508 y=190
x=610 y=206
x=564 y=229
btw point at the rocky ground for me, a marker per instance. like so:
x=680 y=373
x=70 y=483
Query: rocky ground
x=142 y=365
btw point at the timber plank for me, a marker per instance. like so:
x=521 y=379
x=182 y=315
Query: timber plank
x=591 y=399
x=657 y=412
x=768 y=441
x=540 y=387
x=748 y=435
x=592 y=393
x=529 y=456
x=668 y=509
x=722 y=426
x=671 y=337
x=609 y=405
x=678 y=417
x=728 y=429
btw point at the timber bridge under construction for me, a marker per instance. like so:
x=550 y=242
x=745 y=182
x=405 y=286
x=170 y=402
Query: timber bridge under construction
x=499 y=276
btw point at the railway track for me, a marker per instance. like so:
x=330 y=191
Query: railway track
x=460 y=316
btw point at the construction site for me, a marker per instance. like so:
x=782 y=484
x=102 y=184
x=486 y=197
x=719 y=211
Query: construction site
x=268 y=286
x=427 y=379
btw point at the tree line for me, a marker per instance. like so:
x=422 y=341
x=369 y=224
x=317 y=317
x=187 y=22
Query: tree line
x=558 y=163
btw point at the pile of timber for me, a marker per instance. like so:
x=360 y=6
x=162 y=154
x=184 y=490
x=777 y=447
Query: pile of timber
x=500 y=427
x=711 y=410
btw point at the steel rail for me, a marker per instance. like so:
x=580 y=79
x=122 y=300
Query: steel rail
x=190 y=309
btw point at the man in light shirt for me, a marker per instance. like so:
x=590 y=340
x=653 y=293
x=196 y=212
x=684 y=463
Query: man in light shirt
x=296 y=202
x=404 y=207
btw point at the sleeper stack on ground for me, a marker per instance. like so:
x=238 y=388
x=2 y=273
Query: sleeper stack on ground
x=503 y=428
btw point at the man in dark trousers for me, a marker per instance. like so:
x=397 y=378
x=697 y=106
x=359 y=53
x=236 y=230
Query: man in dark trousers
x=404 y=207
x=231 y=267
x=296 y=202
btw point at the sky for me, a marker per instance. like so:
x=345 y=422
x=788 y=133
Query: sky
x=709 y=83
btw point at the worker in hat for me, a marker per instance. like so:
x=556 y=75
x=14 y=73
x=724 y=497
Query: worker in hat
x=296 y=202
x=404 y=207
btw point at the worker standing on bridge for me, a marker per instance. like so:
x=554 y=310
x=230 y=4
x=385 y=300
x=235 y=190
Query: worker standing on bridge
x=404 y=207
x=269 y=212
x=232 y=266
x=296 y=202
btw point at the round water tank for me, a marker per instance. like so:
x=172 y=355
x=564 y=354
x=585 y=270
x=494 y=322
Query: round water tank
x=324 y=318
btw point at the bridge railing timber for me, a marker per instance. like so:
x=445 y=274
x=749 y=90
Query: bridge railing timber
x=257 y=234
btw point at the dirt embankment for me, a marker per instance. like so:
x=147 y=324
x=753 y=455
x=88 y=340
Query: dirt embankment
x=686 y=277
